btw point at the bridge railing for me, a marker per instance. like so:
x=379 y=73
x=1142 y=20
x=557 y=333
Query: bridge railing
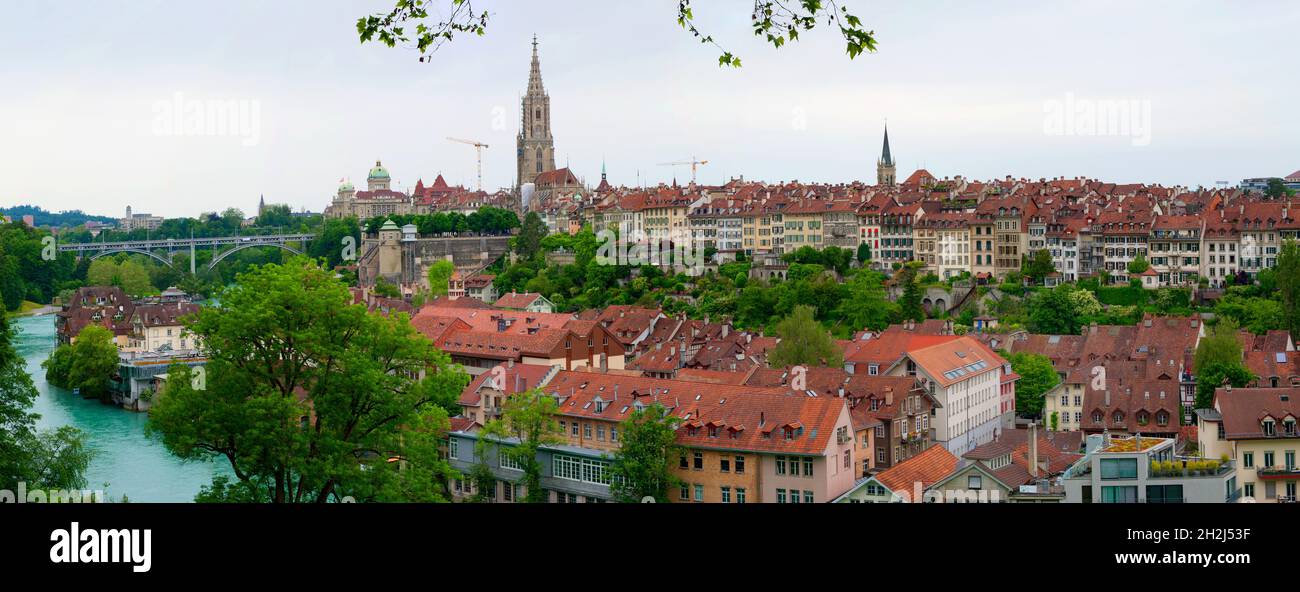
x=186 y=243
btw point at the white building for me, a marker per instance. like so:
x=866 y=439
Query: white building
x=965 y=377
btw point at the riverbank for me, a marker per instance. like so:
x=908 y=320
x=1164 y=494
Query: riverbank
x=126 y=463
x=34 y=309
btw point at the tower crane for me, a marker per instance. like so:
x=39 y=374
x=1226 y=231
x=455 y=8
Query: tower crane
x=693 y=162
x=478 y=147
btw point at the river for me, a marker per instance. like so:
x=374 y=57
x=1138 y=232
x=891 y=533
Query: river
x=126 y=462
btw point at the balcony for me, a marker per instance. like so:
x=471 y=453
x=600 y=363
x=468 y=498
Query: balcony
x=1278 y=473
x=1190 y=468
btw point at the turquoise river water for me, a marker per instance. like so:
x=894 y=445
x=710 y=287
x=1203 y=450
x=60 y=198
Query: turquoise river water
x=126 y=461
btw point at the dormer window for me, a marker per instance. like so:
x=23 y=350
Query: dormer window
x=1162 y=418
x=1288 y=426
x=1118 y=417
x=1270 y=427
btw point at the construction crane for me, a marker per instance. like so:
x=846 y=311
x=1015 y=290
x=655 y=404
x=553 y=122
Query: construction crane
x=478 y=146
x=693 y=162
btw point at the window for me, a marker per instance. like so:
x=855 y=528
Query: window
x=726 y=495
x=1119 y=495
x=580 y=469
x=724 y=465
x=699 y=492
x=1268 y=460
x=613 y=434
x=780 y=496
x=975 y=482
x=1269 y=429
x=740 y=495
x=1248 y=459
x=1119 y=468
x=1164 y=494
x=685 y=492
x=699 y=461
x=509 y=461
x=807 y=497
x=453 y=448
x=740 y=465
x=586 y=431
x=780 y=465
x=1250 y=490
x=600 y=433
x=575 y=429
x=807 y=467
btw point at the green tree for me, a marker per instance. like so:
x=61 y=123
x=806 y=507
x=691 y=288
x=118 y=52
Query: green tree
x=439 y=276
x=1084 y=303
x=1038 y=266
x=1287 y=273
x=1037 y=376
x=1138 y=265
x=47 y=459
x=864 y=253
x=776 y=21
x=1053 y=312
x=642 y=465
x=88 y=364
x=309 y=397
x=867 y=306
x=529 y=418
x=803 y=341
x=1218 y=361
x=909 y=303
x=1277 y=189
x=128 y=275
x=529 y=242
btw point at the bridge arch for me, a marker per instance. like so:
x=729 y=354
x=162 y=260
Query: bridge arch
x=159 y=258
x=223 y=255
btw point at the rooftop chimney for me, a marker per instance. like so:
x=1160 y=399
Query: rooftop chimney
x=1033 y=449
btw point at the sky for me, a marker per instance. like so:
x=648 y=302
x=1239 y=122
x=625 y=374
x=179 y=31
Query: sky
x=1201 y=92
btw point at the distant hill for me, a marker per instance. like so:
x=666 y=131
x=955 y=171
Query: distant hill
x=41 y=217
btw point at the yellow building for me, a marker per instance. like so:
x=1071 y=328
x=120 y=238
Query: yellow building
x=1256 y=428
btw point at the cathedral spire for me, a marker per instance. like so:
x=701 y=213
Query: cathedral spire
x=536 y=150
x=535 y=74
x=886 y=158
x=885 y=166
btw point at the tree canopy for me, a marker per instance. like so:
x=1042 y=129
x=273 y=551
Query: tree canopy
x=804 y=342
x=1037 y=376
x=42 y=459
x=309 y=397
x=428 y=24
x=642 y=465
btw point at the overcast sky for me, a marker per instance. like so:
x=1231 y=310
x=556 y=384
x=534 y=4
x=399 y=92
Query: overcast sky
x=968 y=89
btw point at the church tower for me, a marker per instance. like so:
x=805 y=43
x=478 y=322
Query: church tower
x=885 y=166
x=536 y=145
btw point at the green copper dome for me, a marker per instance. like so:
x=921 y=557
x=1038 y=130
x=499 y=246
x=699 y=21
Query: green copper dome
x=379 y=172
x=346 y=186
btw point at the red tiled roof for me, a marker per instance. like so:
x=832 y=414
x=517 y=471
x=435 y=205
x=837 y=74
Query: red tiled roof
x=928 y=467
